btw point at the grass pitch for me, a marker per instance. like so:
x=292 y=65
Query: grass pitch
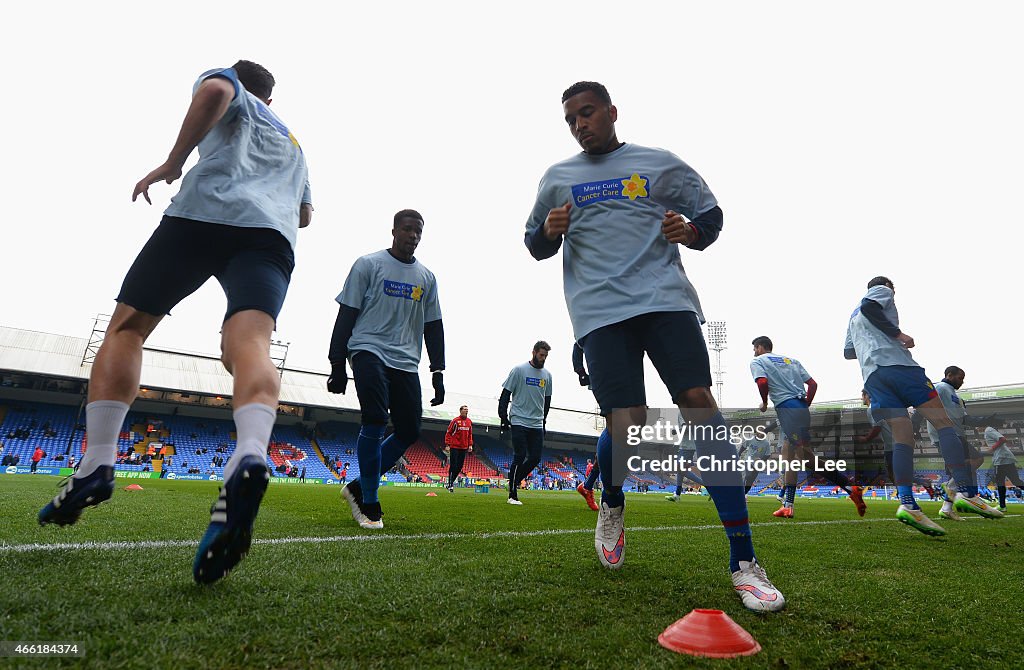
x=466 y=580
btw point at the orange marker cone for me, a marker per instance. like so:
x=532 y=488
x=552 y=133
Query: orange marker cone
x=431 y=495
x=133 y=487
x=709 y=633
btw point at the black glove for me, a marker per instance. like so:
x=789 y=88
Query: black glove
x=505 y=428
x=584 y=378
x=438 y=382
x=338 y=380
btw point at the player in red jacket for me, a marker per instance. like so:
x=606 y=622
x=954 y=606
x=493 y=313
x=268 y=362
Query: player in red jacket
x=37 y=456
x=458 y=441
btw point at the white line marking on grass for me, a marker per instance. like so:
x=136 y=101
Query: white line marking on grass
x=171 y=544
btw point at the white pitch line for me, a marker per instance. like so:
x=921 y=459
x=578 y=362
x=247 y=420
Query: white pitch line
x=171 y=544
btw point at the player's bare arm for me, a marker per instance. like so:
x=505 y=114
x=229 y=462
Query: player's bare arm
x=208 y=105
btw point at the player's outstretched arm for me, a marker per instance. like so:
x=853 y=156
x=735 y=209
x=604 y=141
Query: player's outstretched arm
x=210 y=102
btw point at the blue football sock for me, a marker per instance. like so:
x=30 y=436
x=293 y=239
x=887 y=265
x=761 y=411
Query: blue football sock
x=903 y=471
x=789 y=494
x=953 y=453
x=612 y=493
x=595 y=472
x=906 y=494
x=726 y=490
x=613 y=496
x=368 y=454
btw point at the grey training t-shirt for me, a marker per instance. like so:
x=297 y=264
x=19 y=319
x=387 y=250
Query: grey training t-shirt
x=395 y=299
x=528 y=386
x=251 y=171
x=874 y=348
x=785 y=375
x=1002 y=455
x=954 y=407
x=616 y=263
x=757 y=448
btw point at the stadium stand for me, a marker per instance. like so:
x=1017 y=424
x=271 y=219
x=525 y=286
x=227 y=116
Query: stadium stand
x=337 y=442
x=193 y=445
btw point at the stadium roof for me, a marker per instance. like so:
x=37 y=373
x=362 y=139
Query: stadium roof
x=37 y=353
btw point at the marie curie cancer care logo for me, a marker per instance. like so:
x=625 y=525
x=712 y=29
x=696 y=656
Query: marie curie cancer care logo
x=397 y=289
x=623 y=188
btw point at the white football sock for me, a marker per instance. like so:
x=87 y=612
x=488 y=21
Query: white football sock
x=253 y=425
x=103 y=421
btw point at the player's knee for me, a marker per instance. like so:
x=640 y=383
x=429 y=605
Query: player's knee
x=129 y=322
x=697 y=398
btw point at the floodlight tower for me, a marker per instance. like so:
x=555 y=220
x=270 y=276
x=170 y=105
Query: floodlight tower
x=717 y=342
x=278 y=354
x=99 y=331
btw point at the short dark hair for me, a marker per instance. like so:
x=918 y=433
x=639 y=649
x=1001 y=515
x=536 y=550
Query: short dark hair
x=255 y=78
x=763 y=341
x=541 y=344
x=583 y=86
x=952 y=370
x=407 y=214
x=880 y=281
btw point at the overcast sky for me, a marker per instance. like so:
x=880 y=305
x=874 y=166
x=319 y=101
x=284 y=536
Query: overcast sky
x=842 y=143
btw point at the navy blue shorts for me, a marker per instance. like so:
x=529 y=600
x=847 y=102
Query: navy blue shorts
x=615 y=358
x=253 y=266
x=795 y=421
x=895 y=387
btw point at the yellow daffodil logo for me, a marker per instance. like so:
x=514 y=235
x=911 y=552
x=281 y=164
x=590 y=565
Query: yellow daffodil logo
x=294 y=140
x=787 y=361
x=634 y=187
x=542 y=382
x=417 y=293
